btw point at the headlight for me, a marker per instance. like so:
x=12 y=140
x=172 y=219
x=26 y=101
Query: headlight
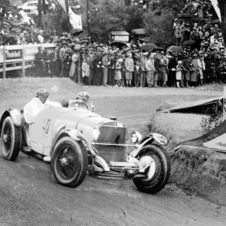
x=160 y=138
x=95 y=133
x=136 y=137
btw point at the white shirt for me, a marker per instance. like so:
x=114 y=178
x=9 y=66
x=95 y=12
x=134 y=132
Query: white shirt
x=32 y=108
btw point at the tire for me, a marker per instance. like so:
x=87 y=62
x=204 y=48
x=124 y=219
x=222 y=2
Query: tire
x=159 y=171
x=69 y=163
x=10 y=139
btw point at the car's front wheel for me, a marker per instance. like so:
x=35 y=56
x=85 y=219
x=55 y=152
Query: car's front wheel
x=157 y=164
x=69 y=163
x=10 y=139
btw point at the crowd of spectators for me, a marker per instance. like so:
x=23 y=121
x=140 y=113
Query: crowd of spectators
x=200 y=58
x=104 y=65
x=202 y=42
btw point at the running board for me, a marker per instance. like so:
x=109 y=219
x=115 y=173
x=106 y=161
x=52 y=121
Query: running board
x=132 y=165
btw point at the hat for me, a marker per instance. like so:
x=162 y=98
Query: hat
x=84 y=96
x=111 y=52
x=43 y=93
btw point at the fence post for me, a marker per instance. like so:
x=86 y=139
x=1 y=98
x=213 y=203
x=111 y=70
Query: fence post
x=4 y=62
x=23 y=62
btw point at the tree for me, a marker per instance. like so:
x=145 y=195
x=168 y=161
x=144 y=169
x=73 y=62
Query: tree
x=4 y=6
x=222 y=7
x=160 y=28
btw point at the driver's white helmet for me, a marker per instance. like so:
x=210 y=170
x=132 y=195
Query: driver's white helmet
x=84 y=96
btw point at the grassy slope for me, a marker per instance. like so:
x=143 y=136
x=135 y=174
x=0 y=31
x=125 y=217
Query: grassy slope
x=195 y=170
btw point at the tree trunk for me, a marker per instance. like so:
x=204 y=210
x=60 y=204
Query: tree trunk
x=222 y=6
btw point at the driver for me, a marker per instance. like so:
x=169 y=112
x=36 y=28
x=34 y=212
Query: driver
x=38 y=103
x=82 y=97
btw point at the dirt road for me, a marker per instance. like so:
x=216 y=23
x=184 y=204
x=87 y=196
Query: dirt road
x=30 y=196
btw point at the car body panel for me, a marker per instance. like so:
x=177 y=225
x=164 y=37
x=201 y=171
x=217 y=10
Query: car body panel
x=48 y=121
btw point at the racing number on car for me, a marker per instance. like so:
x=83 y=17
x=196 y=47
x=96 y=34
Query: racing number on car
x=46 y=126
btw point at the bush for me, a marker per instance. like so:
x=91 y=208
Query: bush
x=213 y=117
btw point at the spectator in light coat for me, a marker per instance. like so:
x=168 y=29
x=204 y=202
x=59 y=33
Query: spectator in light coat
x=150 y=65
x=201 y=67
x=106 y=64
x=129 y=68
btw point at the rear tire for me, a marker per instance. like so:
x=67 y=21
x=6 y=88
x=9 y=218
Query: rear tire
x=10 y=139
x=158 y=172
x=69 y=163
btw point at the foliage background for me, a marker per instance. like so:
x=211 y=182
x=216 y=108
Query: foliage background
x=109 y=15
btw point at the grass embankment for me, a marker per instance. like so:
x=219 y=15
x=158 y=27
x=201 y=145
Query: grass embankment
x=198 y=171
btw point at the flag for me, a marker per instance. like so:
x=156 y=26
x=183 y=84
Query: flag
x=62 y=3
x=75 y=20
x=216 y=8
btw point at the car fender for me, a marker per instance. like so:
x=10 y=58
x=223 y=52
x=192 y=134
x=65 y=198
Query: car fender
x=62 y=131
x=153 y=137
x=14 y=114
x=149 y=139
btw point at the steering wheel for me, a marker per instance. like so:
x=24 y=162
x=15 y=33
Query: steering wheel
x=73 y=103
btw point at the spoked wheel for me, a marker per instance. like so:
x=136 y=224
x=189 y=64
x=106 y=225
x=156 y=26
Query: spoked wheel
x=156 y=162
x=10 y=139
x=69 y=163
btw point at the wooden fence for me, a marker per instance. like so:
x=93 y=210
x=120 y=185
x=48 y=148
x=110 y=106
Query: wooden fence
x=19 y=57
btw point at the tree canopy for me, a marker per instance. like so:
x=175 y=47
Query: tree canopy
x=109 y=15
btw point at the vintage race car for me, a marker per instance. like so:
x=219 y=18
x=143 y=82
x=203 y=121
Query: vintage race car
x=78 y=142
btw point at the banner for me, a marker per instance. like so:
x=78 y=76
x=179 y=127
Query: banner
x=62 y=3
x=75 y=20
x=217 y=10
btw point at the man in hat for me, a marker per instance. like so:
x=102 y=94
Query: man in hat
x=40 y=37
x=111 y=69
x=106 y=64
x=172 y=70
x=62 y=56
x=39 y=62
x=98 y=69
x=37 y=104
x=143 y=69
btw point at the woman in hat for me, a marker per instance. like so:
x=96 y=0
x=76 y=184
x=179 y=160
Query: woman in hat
x=179 y=71
x=201 y=67
x=74 y=58
x=194 y=70
x=129 y=68
x=85 y=71
x=118 y=67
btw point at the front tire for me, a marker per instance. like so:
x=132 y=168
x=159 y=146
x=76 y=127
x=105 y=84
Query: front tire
x=158 y=173
x=69 y=163
x=10 y=139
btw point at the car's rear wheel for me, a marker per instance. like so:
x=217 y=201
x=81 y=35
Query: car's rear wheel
x=157 y=163
x=10 y=139
x=69 y=163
